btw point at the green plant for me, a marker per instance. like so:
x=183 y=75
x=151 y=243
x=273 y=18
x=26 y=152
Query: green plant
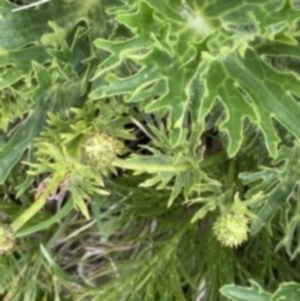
x=149 y=149
x=287 y=291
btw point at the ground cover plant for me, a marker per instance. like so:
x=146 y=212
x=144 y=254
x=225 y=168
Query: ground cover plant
x=149 y=150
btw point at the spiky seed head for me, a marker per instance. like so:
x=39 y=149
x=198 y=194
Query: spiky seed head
x=7 y=238
x=101 y=150
x=231 y=228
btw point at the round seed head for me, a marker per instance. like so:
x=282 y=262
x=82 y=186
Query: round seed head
x=231 y=229
x=7 y=238
x=101 y=150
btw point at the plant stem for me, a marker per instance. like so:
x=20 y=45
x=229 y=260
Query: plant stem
x=35 y=207
x=213 y=159
x=29 y=213
x=151 y=166
x=231 y=177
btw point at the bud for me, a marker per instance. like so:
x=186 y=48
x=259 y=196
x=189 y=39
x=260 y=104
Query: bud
x=7 y=238
x=101 y=150
x=231 y=228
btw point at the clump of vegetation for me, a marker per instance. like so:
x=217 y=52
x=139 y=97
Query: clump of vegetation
x=149 y=150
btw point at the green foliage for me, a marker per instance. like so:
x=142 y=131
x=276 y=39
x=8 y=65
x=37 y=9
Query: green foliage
x=286 y=291
x=135 y=136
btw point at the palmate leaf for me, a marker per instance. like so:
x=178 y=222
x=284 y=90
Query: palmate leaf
x=165 y=170
x=29 y=128
x=29 y=35
x=178 y=175
x=286 y=291
x=21 y=33
x=238 y=293
x=30 y=39
x=221 y=43
x=269 y=97
x=279 y=185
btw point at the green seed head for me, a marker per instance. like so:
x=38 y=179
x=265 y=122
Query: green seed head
x=231 y=229
x=101 y=150
x=7 y=238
